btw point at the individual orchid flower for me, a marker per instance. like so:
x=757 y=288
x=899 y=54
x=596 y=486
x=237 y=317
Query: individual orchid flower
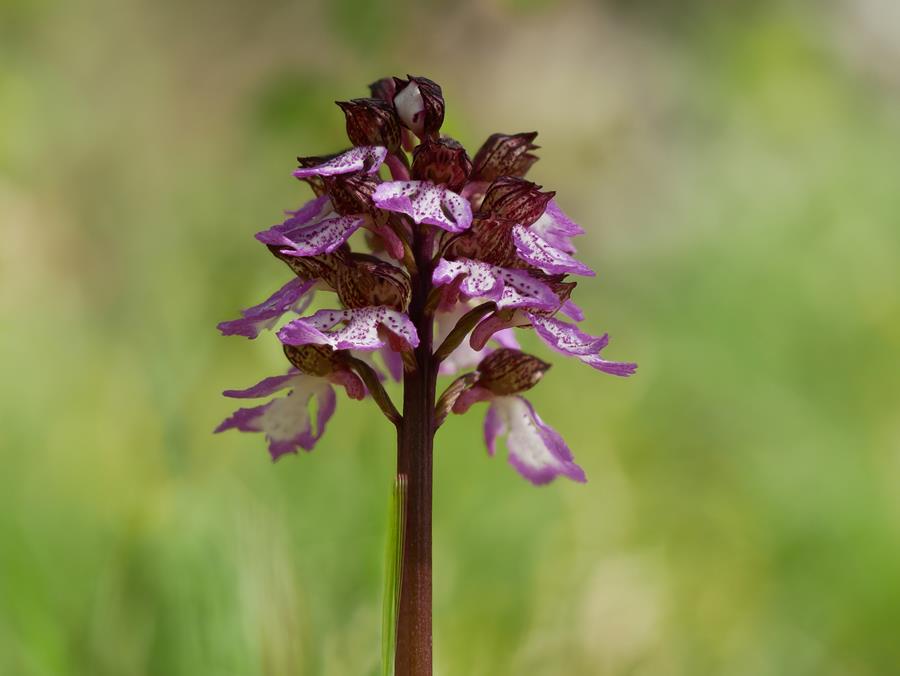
x=435 y=259
x=536 y=450
x=324 y=224
x=285 y=421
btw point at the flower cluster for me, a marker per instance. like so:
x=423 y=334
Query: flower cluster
x=488 y=251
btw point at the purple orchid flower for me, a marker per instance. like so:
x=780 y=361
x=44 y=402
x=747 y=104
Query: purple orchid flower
x=461 y=253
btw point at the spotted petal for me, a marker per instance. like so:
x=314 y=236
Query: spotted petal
x=572 y=310
x=312 y=239
x=508 y=288
x=425 y=202
x=360 y=158
x=615 y=368
x=536 y=450
x=556 y=228
x=541 y=254
x=292 y=297
x=314 y=210
x=363 y=329
x=569 y=340
x=285 y=421
x=566 y=338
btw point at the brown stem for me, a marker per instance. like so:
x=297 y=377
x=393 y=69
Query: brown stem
x=415 y=438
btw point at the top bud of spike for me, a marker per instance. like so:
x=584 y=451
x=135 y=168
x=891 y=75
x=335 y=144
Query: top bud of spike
x=419 y=105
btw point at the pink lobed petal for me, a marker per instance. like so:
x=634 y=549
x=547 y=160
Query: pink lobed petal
x=294 y=296
x=362 y=330
x=507 y=287
x=312 y=239
x=541 y=254
x=285 y=421
x=425 y=202
x=536 y=450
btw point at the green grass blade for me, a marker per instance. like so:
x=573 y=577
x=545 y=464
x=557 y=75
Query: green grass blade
x=393 y=574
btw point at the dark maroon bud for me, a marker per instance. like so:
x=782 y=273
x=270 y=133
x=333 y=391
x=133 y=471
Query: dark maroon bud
x=444 y=161
x=515 y=199
x=504 y=155
x=372 y=122
x=384 y=89
x=419 y=105
x=505 y=371
x=351 y=193
x=314 y=360
x=368 y=281
x=489 y=240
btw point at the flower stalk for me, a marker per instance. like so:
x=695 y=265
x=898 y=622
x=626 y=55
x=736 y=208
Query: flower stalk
x=457 y=248
x=415 y=450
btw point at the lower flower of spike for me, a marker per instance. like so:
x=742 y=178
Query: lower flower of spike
x=535 y=449
x=286 y=421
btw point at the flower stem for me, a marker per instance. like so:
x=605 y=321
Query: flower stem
x=415 y=439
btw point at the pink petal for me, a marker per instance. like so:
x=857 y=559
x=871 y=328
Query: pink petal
x=285 y=421
x=556 y=228
x=566 y=338
x=508 y=288
x=536 y=450
x=361 y=331
x=360 y=158
x=425 y=202
x=541 y=254
x=292 y=297
x=312 y=239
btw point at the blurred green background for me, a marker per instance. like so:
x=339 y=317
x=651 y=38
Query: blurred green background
x=736 y=166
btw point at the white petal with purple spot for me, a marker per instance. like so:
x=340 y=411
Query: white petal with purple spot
x=536 y=450
x=541 y=254
x=566 y=338
x=556 y=228
x=425 y=202
x=285 y=421
x=361 y=158
x=362 y=329
x=508 y=288
x=313 y=239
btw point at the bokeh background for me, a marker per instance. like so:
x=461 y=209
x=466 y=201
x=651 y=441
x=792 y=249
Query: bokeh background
x=736 y=166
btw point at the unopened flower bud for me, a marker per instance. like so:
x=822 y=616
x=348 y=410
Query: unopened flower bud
x=506 y=371
x=351 y=193
x=368 y=282
x=443 y=161
x=504 y=155
x=372 y=122
x=314 y=360
x=324 y=267
x=420 y=105
x=488 y=240
x=516 y=200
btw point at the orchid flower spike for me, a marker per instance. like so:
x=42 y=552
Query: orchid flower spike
x=430 y=258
